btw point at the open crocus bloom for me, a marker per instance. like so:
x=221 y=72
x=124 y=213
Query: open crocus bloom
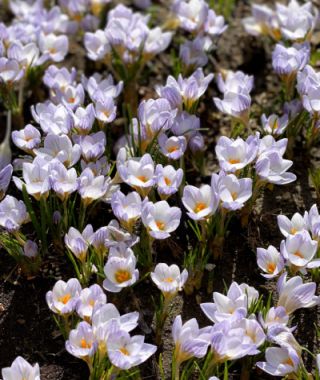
x=231 y=306
x=299 y=250
x=274 y=124
x=77 y=242
x=270 y=261
x=274 y=317
x=21 y=370
x=190 y=341
x=168 y=278
x=126 y=352
x=294 y=294
x=120 y=272
x=13 y=214
x=64 y=295
x=235 y=154
x=27 y=138
x=293 y=226
x=233 y=192
x=88 y=299
x=160 y=219
x=280 y=361
x=81 y=342
x=172 y=147
x=168 y=180
x=201 y=202
x=127 y=208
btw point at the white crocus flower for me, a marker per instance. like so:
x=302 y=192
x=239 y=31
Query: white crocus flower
x=270 y=261
x=21 y=370
x=168 y=278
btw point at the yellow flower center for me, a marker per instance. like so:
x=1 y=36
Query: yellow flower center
x=160 y=225
x=65 y=299
x=234 y=161
x=299 y=254
x=142 y=178
x=289 y=362
x=167 y=181
x=52 y=51
x=271 y=267
x=85 y=344
x=168 y=279
x=199 y=207
x=172 y=149
x=293 y=231
x=71 y=99
x=234 y=195
x=122 y=275
x=124 y=351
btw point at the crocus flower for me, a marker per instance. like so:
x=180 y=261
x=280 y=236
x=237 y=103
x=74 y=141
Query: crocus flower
x=296 y=21
x=192 y=14
x=185 y=125
x=125 y=352
x=10 y=70
x=214 y=25
x=5 y=178
x=96 y=45
x=127 y=208
x=168 y=180
x=90 y=298
x=30 y=249
x=78 y=243
x=83 y=119
x=282 y=335
x=92 y=146
x=299 y=251
x=233 y=192
x=20 y=370
x=52 y=47
x=27 y=138
x=97 y=86
x=234 y=305
x=273 y=124
x=280 y=361
x=13 y=213
x=136 y=172
x=294 y=294
x=293 y=226
x=193 y=53
x=168 y=278
x=237 y=81
x=62 y=181
x=105 y=109
x=235 y=154
x=270 y=261
x=190 y=341
x=92 y=187
x=235 y=104
x=274 y=317
x=81 y=342
x=272 y=168
x=64 y=296
x=117 y=235
x=160 y=219
x=156 y=42
x=61 y=148
x=201 y=203
x=120 y=272
x=172 y=147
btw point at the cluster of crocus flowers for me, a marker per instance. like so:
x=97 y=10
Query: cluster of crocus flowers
x=102 y=332
x=205 y=26
x=292 y=22
x=298 y=251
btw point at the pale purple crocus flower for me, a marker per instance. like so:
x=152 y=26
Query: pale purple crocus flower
x=168 y=180
x=90 y=298
x=235 y=104
x=55 y=119
x=92 y=187
x=97 y=85
x=78 y=243
x=263 y=21
x=58 y=79
x=268 y=144
x=168 y=279
x=61 y=148
x=190 y=341
x=13 y=213
x=72 y=97
x=36 y=178
x=193 y=54
x=10 y=71
x=20 y=370
x=172 y=147
x=270 y=261
x=201 y=203
x=234 y=81
x=215 y=24
x=186 y=125
x=62 y=181
x=312 y=221
x=291 y=226
x=235 y=154
x=92 y=146
x=307 y=79
x=105 y=109
x=63 y=297
x=286 y=62
x=280 y=361
x=275 y=316
x=83 y=119
x=117 y=235
x=137 y=172
x=127 y=208
x=30 y=249
x=160 y=219
x=125 y=352
x=232 y=306
x=27 y=138
x=274 y=124
x=27 y=55
x=282 y=335
x=296 y=21
x=299 y=251
x=120 y=272
x=156 y=42
x=5 y=179
x=96 y=45
x=81 y=342
x=294 y=294
x=272 y=167
x=233 y=192
x=52 y=47
x=192 y=14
